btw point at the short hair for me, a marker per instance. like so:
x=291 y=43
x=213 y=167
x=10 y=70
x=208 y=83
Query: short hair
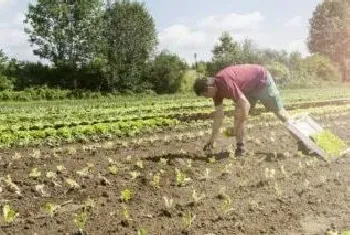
x=200 y=86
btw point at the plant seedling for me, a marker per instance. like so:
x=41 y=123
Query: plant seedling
x=9 y=214
x=34 y=173
x=113 y=169
x=13 y=187
x=80 y=219
x=156 y=180
x=168 y=202
x=126 y=195
x=134 y=174
x=50 y=208
x=226 y=205
x=89 y=204
x=188 y=219
x=181 y=178
x=51 y=175
x=126 y=213
x=142 y=231
x=60 y=168
x=72 y=184
x=139 y=164
x=197 y=198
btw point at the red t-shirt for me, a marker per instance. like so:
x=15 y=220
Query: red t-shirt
x=234 y=81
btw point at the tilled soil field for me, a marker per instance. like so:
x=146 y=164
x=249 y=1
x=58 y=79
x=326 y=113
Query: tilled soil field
x=172 y=187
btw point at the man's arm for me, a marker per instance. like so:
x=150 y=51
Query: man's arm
x=218 y=118
x=241 y=113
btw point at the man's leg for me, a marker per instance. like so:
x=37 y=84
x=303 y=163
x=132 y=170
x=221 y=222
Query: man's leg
x=271 y=99
x=252 y=100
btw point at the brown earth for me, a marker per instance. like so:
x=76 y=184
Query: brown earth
x=305 y=195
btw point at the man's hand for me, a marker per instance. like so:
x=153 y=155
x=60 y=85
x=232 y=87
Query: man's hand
x=208 y=147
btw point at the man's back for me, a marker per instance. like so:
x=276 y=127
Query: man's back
x=248 y=77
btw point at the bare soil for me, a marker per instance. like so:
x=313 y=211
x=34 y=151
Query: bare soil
x=305 y=195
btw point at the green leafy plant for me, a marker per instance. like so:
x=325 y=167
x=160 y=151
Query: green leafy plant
x=180 y=178
x=113 y=169
x=35 y=173
x=212 y=160
x=51 y=175
x=156 y=180
x=197 y=198
x=60 y=168
x=80 y=219
x=134 y=174
x=142 y=231
x=9 y=214
x=226 y=205
x=50 y=208
x=12 y=187
x=126 y=195
x=125 y=213
x=72 y=183
x=188 y=218
x=330 y=143
x=89 y=204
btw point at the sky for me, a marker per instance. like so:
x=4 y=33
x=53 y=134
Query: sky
x=186 y=27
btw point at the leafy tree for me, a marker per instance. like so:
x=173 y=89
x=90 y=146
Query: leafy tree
x=130 y=40
x=329 y=32
x=249 y=53
x=225 y=53
x=166 y=73
x=279 y=71
x=65 y=32
x=320 y=68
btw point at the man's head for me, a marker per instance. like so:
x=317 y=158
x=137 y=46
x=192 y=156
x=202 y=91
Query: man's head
x=205 y=87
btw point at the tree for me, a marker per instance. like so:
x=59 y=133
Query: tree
x=130 y=40
x=65 y=32
x=320 y=68
x=3 y=60
x=167 y=73
x=249 y=52
x=279 y=71
x=329 y=32
x=225 y=53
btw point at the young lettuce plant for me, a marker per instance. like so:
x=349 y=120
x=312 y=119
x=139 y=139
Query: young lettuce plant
x=51 y=175
x=113 y=169
x=34 y=173
x=226 y=205
x=80 y=219
x=50 y=208
x=180 y=178
x=142 y=231
x=72 y=183
x=134 y=174
x=188 y=218
x=11 y=186
x=9 y=214
x=197 y=198
x=156 y=180
x=126 y=195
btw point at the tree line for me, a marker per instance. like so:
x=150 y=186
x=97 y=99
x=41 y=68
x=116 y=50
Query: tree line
x=109 y=46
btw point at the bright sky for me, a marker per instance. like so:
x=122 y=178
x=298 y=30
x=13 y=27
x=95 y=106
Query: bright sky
x=193 y=26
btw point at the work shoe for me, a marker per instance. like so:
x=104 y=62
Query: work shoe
x=240 y=150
